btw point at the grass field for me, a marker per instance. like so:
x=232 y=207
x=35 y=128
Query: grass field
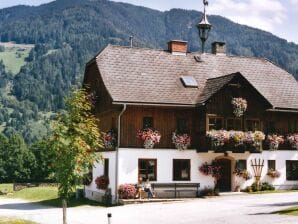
x=46 y=196
x=289 y=211
x=14 y=56
x=14 y=221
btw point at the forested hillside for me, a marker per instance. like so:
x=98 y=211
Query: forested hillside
x=68 y=33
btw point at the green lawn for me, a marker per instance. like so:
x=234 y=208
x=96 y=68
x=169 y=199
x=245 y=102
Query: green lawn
x=46 y=196
x=14 y=57
x=14 y=221
x=289 y=211
x=273 y=192
x=6 y=187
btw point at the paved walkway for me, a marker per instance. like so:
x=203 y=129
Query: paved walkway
x=244 y=209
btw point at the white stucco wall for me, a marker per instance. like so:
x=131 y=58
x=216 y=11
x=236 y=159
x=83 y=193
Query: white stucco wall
x=128 y=166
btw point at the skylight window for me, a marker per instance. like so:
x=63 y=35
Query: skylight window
x=189 y=81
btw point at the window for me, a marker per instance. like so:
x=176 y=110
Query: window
x=292 y=169
x=182 y=126
x=270 y=127
x=181 y=169
x=241 y=164
x=293 y=127
x=215 y=123
x=271 y=165
x=253 y=125
x=189 y=81
x=106 y=167
x=147 y=169
x=234 y=124
x=148 y=122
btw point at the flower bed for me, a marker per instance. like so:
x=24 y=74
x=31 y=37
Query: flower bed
x=181 y=141
x=149 y=136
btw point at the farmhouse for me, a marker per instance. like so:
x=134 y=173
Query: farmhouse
x=208 y=109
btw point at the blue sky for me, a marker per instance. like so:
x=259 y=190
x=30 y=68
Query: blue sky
x=277 y=16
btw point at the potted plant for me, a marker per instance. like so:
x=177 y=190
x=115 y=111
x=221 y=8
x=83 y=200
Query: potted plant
x=218 y=137
x=127 y=191
x=102 y=182
x=274 y=141
x=110 y=139
x=254 y=138
x=273 y=173
x=293 y=140
x=242 y=173
x=239 y=106
x=181 y=141
x=149 y=136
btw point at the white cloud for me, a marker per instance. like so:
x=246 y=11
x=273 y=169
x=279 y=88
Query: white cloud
x=264 y=14
x=294 y=3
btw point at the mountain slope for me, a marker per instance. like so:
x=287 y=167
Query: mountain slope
x=67 y=33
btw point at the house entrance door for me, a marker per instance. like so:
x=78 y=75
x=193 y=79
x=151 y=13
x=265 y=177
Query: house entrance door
x=224 y=183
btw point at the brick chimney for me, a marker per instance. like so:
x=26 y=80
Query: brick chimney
x=219 y=48
x=177 y=47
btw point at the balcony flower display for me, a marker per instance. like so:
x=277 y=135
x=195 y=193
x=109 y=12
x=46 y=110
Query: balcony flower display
x=242 y=173
x=258 y=138
x=149 y=136
x=273 y=173
x=218 y=137
x=293 y=140
x=239 y=105
x=110 y=139
x=181 y=141
x=102 y=182
x=274 y=141
x=237 y=137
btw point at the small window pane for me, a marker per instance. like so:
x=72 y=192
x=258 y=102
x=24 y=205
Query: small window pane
x=241 y=164
x=106 y=167
x=271 y=164
x=234 y=124
x=252 y=125
x=147 y=169
x=292 y=169
x=215 y=123
x=181 y=169
x=189 y=81
x=148 y=122
x=182 y=126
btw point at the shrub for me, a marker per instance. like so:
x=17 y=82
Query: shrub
x=263 y=187
x=127 y=191
x=208 y=191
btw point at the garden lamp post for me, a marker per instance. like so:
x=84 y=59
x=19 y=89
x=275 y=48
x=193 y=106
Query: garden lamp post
x=204 y=27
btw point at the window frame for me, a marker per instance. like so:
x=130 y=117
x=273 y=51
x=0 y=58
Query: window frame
x=188 y=170
x=214 y=116
x=155 y=168
x=244 y=161
x=149 y=118
x=287 y=175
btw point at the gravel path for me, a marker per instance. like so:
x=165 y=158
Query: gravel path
x=244 y=209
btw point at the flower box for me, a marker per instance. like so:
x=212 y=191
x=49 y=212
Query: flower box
x=274 y=141
x=239 y=106
x=149 y=136
x=181 y=141
x=293 y=140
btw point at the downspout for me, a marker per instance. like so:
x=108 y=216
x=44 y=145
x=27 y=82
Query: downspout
x=117 y=153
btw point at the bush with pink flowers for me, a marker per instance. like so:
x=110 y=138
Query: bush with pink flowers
x=127 y=191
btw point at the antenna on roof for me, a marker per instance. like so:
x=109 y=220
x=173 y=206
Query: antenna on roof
x=131 y=41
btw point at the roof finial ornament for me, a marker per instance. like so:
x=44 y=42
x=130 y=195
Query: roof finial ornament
x=204 y=26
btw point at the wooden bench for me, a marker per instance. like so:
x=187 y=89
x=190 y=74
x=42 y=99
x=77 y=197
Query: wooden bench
x=177 y=188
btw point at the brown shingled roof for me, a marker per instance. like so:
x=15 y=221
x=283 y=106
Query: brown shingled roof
x=138 y=75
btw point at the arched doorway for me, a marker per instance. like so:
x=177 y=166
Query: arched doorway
x=225 y=182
